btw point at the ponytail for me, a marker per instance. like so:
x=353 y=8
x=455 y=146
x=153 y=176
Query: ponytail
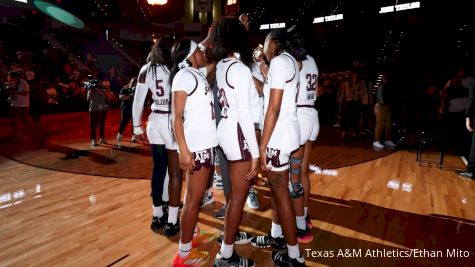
x=296 y=44
x=291 y=41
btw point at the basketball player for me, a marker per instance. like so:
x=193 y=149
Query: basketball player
x=280 y=137
x=194 y=127
x=236 y=133
x=307 y=116
x=154 y=77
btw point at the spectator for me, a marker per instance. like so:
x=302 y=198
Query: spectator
x=126 y=96
x=97 y=110
x=20 y=101
x=454 y=103
x=37 y=96
x=469 y=122
x=382 y=111
x=351 y=93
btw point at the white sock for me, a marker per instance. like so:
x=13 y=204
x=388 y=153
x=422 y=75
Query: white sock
x=172 y=214
x=305 y=211
x=276 y=231
x=184 y=249
x=294 y=252
x=301 y=224
x=227 y=250
x=157 y=211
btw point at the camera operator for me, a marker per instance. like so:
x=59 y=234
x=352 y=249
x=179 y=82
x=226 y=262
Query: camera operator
x=126 y=96
x=97 y=110
x=19 y=100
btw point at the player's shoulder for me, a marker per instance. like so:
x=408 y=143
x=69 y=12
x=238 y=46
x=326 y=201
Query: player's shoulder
x=310 y=59
x=282 y=60
x=185 y=77
x=143 y=73
x=240 y=68
x=184 y=74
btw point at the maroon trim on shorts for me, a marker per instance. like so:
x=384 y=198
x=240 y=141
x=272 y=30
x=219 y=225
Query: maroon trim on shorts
x=160 y=111
x=245 y=153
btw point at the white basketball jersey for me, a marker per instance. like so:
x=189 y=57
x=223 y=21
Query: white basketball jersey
x=199 y=117
x=284 y=75
x=308 y=83
x=257 y=102
x=157 y=83
x=236 y=87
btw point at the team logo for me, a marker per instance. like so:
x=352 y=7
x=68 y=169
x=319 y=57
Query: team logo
x=202 y=156
x=272 y=153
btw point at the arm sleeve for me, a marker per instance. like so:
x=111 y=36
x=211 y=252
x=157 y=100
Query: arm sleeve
x=241 y=78
x=137 y=105
x=184 y=81
x=279 y=73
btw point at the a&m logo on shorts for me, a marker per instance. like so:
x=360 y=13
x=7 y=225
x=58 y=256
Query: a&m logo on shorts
x=202 y=156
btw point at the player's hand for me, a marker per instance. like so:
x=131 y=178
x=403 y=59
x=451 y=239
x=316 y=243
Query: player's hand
x=468 y=123
x=244 y=19
x=187 y=162
x=254 y=167
x=263 y=159
x=138 y=130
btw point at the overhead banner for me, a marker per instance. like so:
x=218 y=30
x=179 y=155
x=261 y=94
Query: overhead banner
x=203 y=6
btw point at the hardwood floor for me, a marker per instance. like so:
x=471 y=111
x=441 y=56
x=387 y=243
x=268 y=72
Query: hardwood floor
x=65 y=204
x=51 y=218
x=61 y=142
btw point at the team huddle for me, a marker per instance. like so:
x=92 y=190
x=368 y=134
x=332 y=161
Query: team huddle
x=267 y=123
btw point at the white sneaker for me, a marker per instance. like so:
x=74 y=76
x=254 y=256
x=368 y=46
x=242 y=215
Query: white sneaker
x=218 y=181
x=102 y=141
x=93 y=142
x=252 y=201
x=389 y=144
x=207 y=199
x=133 y=139
x=377 y=146
x=117 y=139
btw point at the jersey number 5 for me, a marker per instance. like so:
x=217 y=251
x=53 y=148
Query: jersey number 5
x=159 y=87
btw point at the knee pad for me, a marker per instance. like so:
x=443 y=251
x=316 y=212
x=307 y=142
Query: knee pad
x=296 y=189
